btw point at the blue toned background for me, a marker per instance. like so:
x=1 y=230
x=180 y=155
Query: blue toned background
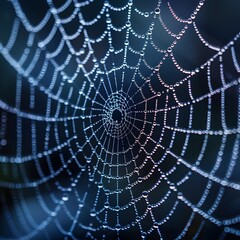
x=119 y=119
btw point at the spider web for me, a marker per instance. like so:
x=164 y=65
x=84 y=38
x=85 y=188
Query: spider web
x=119 y=119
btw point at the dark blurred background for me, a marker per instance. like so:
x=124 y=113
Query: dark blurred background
x=52 y=194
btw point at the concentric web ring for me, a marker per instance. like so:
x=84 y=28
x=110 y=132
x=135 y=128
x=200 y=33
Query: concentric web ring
x=116 y=118
x=119 y=119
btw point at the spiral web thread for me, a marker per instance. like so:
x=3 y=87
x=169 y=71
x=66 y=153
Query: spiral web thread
x=109 y=134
